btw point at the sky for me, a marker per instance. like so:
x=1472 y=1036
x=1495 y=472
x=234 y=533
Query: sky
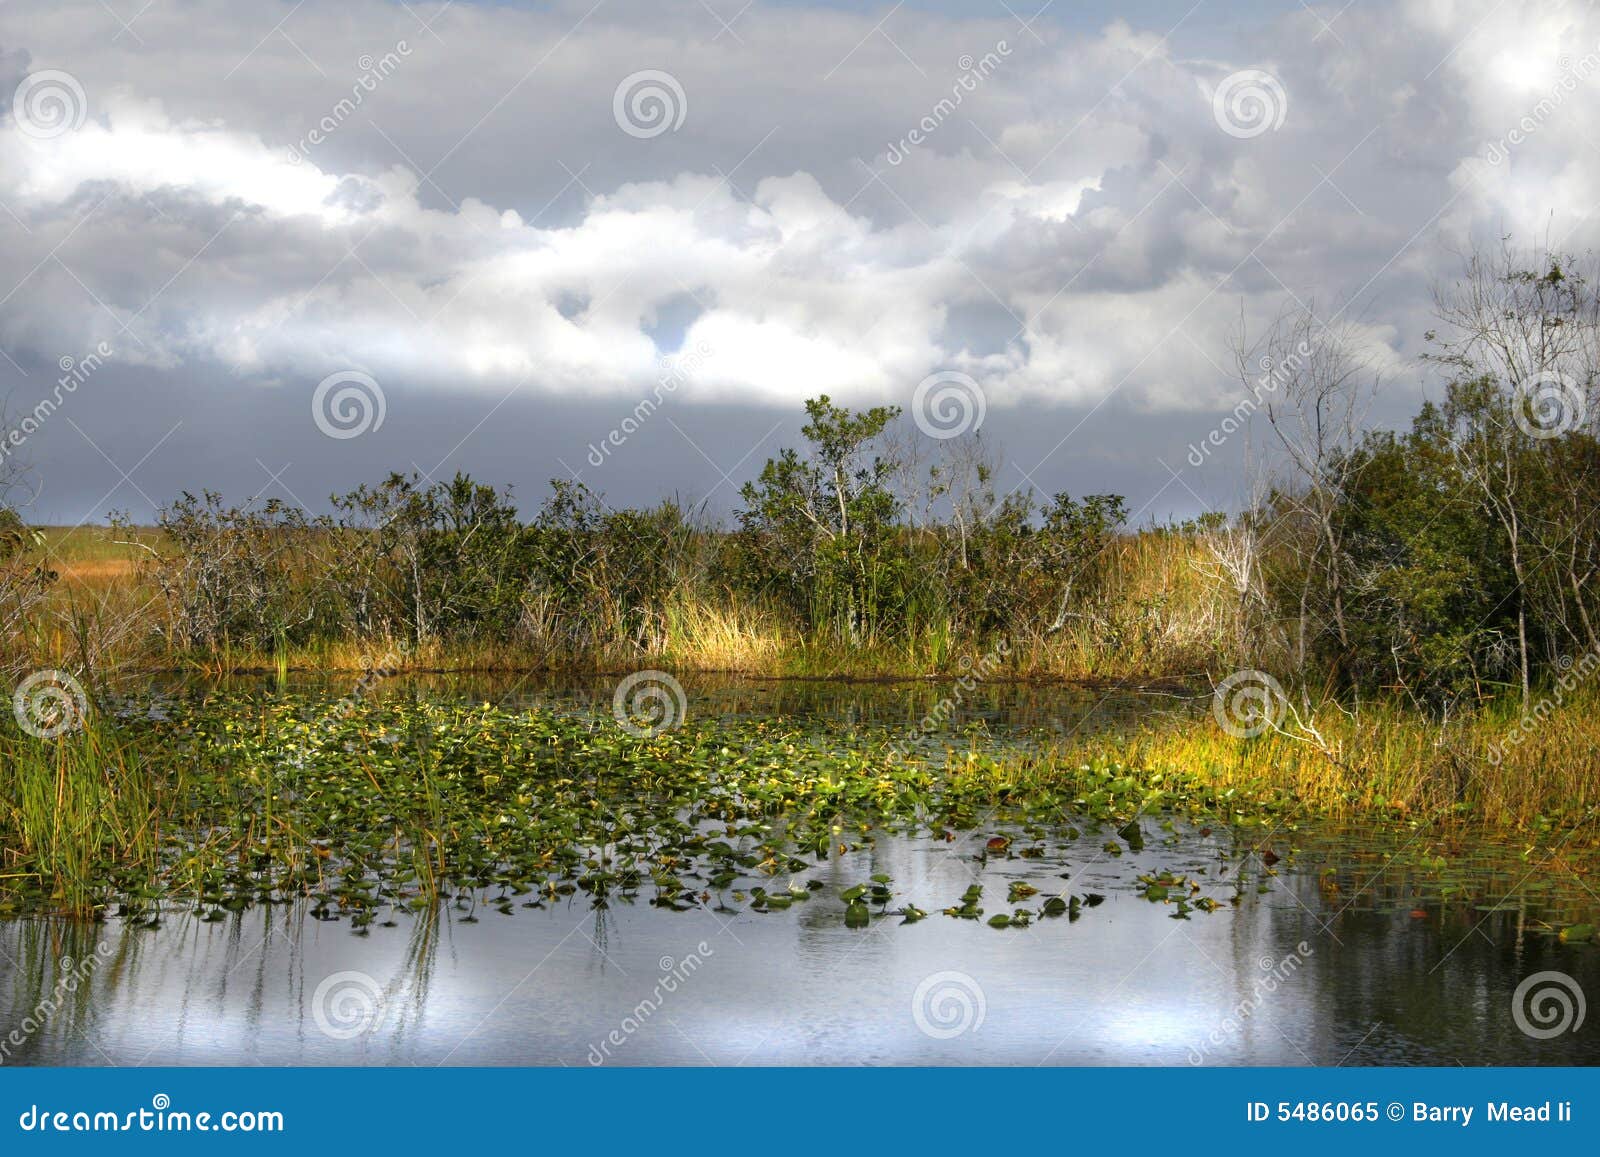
x=279 y=249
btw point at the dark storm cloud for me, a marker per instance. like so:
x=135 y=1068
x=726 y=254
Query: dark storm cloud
x=442 y=197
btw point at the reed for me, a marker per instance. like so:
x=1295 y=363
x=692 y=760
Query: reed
x=72 y=810
x=1386 y=759
x=1168 y=610
x=1165 y=611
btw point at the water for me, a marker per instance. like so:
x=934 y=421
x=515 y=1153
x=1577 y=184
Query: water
x=1344 y=953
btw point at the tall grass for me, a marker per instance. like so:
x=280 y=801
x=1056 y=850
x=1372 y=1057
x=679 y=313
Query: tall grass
x=1168 y=608
x=1385 y=758
x=1165 y=611
x=72 y=808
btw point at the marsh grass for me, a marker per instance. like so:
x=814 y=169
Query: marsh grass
x=236 y=804
x=74 y=812
x=1166 y=611
x=233 y=801
x=1384 y=759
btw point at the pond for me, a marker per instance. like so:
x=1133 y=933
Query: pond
x=1183 y=944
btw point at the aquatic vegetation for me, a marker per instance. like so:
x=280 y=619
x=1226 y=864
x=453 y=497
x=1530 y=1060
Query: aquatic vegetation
x=230 y=801
x=369 y=807
x=75 y=814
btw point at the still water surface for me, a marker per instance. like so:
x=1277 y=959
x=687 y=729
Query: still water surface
x=1342 y=953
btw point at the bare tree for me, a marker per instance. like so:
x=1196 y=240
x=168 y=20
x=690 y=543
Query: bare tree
x=1316 y=385
x=1520 y=337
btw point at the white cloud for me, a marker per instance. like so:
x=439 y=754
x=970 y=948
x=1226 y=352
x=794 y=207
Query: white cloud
x=1084 y=194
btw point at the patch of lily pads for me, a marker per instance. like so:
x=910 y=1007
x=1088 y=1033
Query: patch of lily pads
x=364 y=807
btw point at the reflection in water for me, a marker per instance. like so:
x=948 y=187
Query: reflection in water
x=991 y=704
x=1317 y=964
x=1344 y=954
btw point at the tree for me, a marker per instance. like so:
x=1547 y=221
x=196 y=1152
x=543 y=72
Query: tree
x=818 y=525
x=1316 y=387
x=1520 y=340
x=447 y=559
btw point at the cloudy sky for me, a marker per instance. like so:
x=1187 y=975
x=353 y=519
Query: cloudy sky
x=288 y=247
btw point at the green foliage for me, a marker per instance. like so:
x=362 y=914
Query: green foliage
x=1463 y=536
x=224 y=803
x=829 y=531
x=597 y=574
x=850 y=539
x=16 y=536
x=447 y=560
x=1446 y=561
x=25 y=582
x=817 y=530
x=231 y=574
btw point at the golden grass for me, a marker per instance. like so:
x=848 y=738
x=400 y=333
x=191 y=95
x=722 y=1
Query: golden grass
x=1164 y=613
x=1386 y=759
x=727 y=637
x=1169 y=611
